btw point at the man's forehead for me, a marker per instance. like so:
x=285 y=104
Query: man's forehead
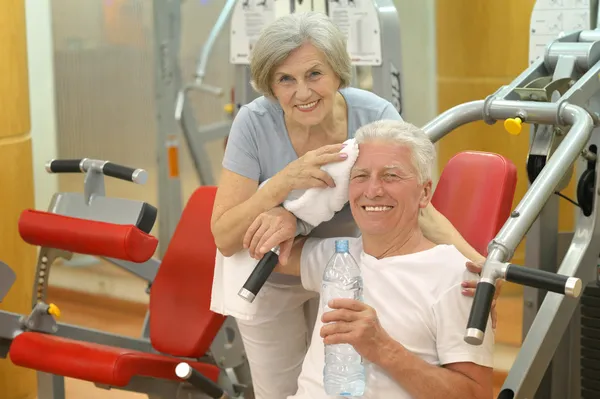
x=393 y=165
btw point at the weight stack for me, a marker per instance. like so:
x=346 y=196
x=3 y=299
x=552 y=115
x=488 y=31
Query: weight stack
x=590 y=342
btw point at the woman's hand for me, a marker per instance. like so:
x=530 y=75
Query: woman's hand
x=470 y=286
x=305 y=172
x=274 y=227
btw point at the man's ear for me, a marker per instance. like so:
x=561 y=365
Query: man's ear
x=426 y=194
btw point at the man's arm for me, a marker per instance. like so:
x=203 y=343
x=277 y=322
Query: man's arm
x=292 y=266
x=438 y=229
x=308 y=258
x=356 y=323
x=425 y=381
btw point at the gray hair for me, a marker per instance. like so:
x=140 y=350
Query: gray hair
x=402 y=133
x=289 y=32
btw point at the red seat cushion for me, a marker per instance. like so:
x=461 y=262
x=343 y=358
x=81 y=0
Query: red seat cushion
x=85 y=236
x=182 y=323
x=95 y=363
x=475 y=193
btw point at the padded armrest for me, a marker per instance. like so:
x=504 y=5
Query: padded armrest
x=83 y=236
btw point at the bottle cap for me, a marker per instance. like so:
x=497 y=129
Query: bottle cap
x=341 y=245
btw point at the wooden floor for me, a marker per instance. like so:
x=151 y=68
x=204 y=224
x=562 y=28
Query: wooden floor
x=126 y=318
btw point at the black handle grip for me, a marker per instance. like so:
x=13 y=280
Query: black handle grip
x=259 y=275
x=537 y=278
x=118 y=171
x=194 y=377
x=64 y=166
x=480 y=312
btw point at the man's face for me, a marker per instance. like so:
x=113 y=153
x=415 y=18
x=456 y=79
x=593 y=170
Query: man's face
x=385 y=194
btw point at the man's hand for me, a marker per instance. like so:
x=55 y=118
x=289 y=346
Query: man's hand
x=470 y=286
x=355 y=323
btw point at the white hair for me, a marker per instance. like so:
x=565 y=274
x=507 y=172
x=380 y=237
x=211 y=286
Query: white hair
x=406 y=134
x=290 y=32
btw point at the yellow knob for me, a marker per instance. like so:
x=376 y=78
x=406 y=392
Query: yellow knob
x=513 y=125
x=229 y=108
x=53 y=310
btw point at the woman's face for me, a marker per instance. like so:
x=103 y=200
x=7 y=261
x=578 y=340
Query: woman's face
x=305 y=86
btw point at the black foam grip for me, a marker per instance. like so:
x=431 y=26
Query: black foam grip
x=205 y=385
x=65 y=166
x=536 y=278
x=261 y=272
x=147 y=218
x=118 y=171
x=482 y=304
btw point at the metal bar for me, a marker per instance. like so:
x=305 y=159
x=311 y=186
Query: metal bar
x=555 y=314
x=50 y=386
x=541 y=253
x=454 y=118
x=535 y=71
x=167 y=81
x=584 y=53
x=212 y=37
x=195 y=142
x=10 y=327
x=214 y=131
x=584 y=88
x=533 y=112
x=589 y=35
x=534 y=199
x=146 y=270
x=387 y=78
x=502 y=248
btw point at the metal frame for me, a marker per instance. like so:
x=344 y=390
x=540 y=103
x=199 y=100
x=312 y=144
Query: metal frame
x=564 y=86
x=226 y=350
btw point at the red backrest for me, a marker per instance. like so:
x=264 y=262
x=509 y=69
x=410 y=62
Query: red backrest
x=181 y=323
x=475 y=192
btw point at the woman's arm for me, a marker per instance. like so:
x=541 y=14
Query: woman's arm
x=237 y=204
x=439 y=230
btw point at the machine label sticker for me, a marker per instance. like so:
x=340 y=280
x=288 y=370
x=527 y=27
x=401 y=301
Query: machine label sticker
x=248 y=19
x=359 y=21
x=551 y=18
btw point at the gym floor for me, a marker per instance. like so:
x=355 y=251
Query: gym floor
x=124 y=317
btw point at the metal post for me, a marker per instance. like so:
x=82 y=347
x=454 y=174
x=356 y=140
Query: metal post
x=167 y=81
x=387 y=77
x=50 y=386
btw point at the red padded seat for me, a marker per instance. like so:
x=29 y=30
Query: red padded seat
x=475 y=193
x=95 y=363
x=84 y=236
x=181 y=321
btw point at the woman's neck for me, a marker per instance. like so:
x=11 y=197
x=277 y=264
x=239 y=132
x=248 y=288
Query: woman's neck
x=329 y=131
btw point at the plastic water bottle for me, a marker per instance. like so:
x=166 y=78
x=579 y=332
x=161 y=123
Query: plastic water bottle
x=344 y=372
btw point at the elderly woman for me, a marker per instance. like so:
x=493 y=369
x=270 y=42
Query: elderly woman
x=301 y=67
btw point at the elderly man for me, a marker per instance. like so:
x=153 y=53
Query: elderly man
x=409 y=329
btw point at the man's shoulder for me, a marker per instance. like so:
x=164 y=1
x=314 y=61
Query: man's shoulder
x=449 y=264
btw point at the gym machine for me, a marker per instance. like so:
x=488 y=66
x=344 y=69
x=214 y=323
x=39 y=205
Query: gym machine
x=558 y=94
x=117 y=230
x=373 y=29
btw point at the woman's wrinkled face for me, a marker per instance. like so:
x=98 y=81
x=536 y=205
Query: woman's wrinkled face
x=305 y=86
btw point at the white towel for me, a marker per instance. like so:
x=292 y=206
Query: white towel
x=313 y=206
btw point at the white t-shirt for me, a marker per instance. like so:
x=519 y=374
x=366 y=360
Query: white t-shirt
x=418 y=301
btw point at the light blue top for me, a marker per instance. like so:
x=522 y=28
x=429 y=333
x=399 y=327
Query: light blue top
x=259 y=147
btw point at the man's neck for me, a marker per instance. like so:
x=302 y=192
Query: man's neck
x=405 y=242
